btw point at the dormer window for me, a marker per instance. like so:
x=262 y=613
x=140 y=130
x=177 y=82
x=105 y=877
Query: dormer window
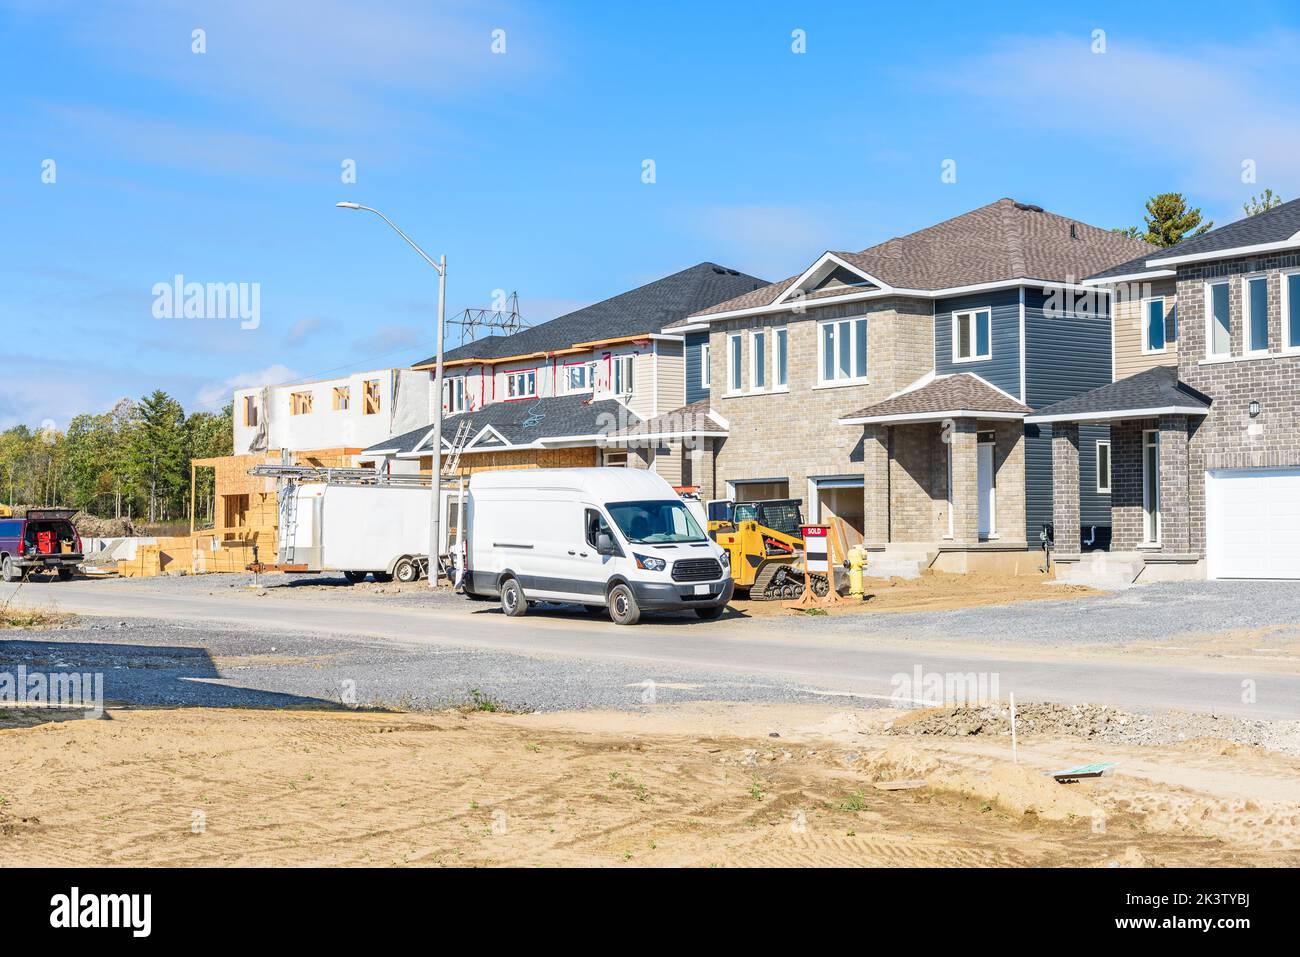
x=522 y=384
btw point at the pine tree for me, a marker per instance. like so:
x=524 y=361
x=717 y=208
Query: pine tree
x=160 y=452
x=1264 y=201
x=1169 y=220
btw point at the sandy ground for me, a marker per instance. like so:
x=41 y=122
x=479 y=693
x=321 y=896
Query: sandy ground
x=935 y=591
x=696 y=785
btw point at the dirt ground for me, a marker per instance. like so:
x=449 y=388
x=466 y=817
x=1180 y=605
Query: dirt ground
x=699 y=785
x=936 y=591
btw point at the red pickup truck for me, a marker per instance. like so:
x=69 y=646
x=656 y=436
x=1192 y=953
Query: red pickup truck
x=44 y=539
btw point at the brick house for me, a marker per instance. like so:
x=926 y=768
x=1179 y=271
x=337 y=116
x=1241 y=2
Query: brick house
x=1205 y=454
x=889 y=387
x=604 y=385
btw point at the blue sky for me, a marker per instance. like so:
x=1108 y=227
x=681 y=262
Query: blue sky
x=525 y=167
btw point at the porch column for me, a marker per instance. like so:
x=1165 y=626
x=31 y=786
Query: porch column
x=1175 y=509
x=963 y=439
x=875 y=485
x=1065 y=488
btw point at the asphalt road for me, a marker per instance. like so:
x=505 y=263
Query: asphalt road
x=771 y=658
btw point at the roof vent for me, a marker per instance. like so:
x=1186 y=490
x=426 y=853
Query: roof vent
x=1074 y=231
x=1029 y=207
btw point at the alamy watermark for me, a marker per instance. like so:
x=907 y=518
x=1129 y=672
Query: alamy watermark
x=179 y=299
x=74 y=690
x=932 y=689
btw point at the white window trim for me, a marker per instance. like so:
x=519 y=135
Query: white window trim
x=974 y=336
x=735 y=368
x=1285 y=277
x=629 y=359
x=449 y=391
x=823 y=383
x=779 y=333
x=1247 y=343
x=521 y=373
x=1110 y=468
x=755 y=358
x=1150 y=541
x=706 y=366
x=1144 y=318
x=1209 y=318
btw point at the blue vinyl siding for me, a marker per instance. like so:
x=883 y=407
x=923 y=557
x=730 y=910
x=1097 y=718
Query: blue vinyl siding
x=1064 y=355
x=694 y=350
x=1002 y=368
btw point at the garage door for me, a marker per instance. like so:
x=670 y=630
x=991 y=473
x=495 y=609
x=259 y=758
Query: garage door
x=1252 y=527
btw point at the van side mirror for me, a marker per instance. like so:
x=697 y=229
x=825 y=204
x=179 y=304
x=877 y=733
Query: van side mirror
x=604 y=544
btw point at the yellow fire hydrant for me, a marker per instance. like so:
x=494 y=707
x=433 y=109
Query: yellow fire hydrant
x=857 y=562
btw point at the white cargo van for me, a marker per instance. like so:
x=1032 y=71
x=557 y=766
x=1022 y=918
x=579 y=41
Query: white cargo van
x=608 y=538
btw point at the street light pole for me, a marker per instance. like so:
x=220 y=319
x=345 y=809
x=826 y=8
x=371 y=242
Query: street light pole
x=435 y=509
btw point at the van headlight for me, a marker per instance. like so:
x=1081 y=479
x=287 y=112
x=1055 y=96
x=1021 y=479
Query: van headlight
x=649 y=562
x=725 y=558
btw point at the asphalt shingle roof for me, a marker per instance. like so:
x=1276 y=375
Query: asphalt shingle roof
x=1156 y=388
x=520 y=423
x=687 y=418
x=1271 y=226
x=644 y=310
x=951 y=393
x=1000 y=241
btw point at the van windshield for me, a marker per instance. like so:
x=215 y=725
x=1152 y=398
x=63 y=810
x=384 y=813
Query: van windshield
x=656 y=522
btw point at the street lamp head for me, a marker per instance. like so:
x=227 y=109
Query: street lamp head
x=348 y=205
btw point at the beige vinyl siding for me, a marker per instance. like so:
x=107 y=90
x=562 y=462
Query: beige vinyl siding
x=1126 y=329
x=671 y=375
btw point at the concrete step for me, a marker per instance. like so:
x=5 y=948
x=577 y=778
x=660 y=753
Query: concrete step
x=905 y=561
x=1101 y=570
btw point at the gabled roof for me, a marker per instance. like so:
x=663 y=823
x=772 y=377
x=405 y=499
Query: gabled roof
x=1156 y=391
x=961 y=395
x=528 y=422
x=641 y=311
x=696 y=419
x=1278 y=227
x=1002 y=241
x=1132 y=269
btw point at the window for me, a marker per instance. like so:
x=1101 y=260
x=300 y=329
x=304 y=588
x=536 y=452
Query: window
x=596 y=525
x=706 y=366
x=1291 y=310
x=580 y=377
x=758 y=360
x=453 y=394
x=250 y=411
x=782 y=359
x=623 y=383
x=734 y=380
x=614 y=458
x=843 y=346
x=1153 y=325
x=1254 y=297
x=370 y=397
x=299 y=403
x=342 y=396
x=656 y=521
x=970 y=335
x=1103 y=467
x=1218 y=339
x=1151 y=487
x=522 y=384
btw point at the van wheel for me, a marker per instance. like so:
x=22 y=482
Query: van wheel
x=8 y=572
x=623 y=608
x=513 y=602
x=711 y=614
x=354 y=577
x=406 y=570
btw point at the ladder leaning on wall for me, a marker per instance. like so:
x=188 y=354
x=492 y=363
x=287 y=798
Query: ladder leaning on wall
x=457 y=446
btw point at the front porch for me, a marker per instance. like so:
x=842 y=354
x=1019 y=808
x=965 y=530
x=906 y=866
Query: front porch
x=1151 y=417
x=944 y=478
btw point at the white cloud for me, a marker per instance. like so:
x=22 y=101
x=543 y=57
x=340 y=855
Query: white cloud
x=216 y=394
x=1195 y=113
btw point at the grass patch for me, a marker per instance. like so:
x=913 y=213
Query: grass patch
x=32 y=618
x=479 y=701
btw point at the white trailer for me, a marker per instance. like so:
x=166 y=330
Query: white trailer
x=357 y=522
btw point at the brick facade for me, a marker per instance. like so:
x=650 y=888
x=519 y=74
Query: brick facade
x=794 y=433
x=1065 y=487
x=1228 y=437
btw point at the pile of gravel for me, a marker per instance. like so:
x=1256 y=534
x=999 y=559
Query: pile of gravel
x=1102 y=723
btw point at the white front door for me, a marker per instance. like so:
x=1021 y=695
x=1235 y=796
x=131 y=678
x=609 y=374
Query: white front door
x=1252 y=523
x=987 y=491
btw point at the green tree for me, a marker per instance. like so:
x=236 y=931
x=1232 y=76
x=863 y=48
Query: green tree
x=1132 y=232
x=1264 y=201
x=159 y=452
x=1169 y=220
x=207 y=435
